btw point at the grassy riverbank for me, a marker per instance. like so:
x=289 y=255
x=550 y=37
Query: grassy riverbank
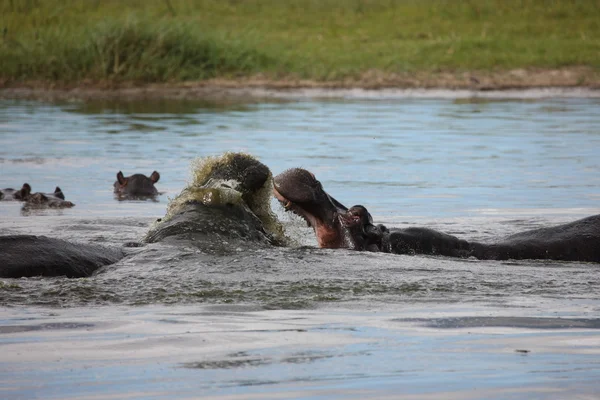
x=70 y=42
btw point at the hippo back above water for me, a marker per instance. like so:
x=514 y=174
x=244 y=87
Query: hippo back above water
x=136 y=185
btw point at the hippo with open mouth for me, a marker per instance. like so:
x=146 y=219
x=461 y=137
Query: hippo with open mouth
x=225 y=207
x=336 y=226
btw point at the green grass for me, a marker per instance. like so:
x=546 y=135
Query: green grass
x=185 y=40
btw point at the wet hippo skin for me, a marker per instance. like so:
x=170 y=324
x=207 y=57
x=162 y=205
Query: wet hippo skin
x=136 y=185
x=300 y=192
x=338 y=227
x=28 y=255
x=223 y=205
x=575 y=241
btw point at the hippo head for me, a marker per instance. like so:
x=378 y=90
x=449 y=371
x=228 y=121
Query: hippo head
x=227 y=201
x=359 y=223
x=48 y=200
x=301 y=193
x=136 y=185
x=23 y=193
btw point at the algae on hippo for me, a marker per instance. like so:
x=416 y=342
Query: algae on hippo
x=227 y=201
x=336 y=226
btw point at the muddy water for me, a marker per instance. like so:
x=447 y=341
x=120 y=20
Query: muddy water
x=302 y=322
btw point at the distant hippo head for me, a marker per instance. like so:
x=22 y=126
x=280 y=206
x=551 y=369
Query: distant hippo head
x=50 y=200
x=12 y=194
x=136 y=185
x=301 y=193
x=43 y=200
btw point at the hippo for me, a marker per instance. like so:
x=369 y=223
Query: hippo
x=10 y=194
x=227 y=203
x=55 y=199
x=28 y=255
x=336 y=226
x=359 y=223
x=225 y=208
x=136 y=186
x=47 y=200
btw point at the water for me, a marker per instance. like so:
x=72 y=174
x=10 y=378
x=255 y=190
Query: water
x=304 y=322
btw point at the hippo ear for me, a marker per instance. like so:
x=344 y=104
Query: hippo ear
x=25 y=190
x=58 y=193
x=155 y=177
x=121 y=179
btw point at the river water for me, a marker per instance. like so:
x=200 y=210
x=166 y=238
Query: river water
x=302 y=322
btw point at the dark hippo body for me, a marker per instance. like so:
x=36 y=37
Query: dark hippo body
x=336 y=226
x=27 y=255
x=575 y=241
x=225 y=209
x=136 y=186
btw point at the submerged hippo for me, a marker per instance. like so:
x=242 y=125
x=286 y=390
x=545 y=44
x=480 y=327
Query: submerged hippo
x=55 y=199
x=28 y=255
x=10 y=194
x=225 y=207
x=336 y=226
x=47 y=200
x=136 y=185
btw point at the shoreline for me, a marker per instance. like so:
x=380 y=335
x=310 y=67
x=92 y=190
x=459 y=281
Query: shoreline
x=579 y=82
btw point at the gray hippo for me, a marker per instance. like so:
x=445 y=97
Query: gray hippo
x=225 y=207
x=10 y=194
x=136 y=186
x=336 y=226
x=55 y=199
x=28 y=255
x=47 y=200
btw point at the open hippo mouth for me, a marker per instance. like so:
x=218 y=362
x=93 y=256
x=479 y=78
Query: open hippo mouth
x=301 y=193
